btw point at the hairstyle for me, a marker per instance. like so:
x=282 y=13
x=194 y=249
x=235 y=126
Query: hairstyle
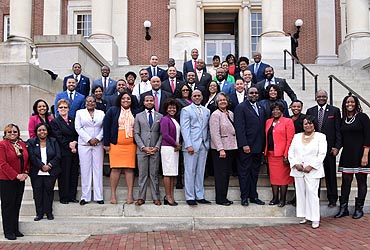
x=230 y=56
x=171 y=102
x=188 y=87
x=90 y=96
x=278 y=105
x=225 y=62
x=227 y=99
x=296 y=101
x=216 y=57
x=269 y=67
x=34 y=108
x=130 y=73
x=95 y=88
x=358 y=108
x=310 y=118
x=275 y=87
x=75 y=64
x=209 y=84
x=42 y=124
x=243 y=59
x=9 y=127
x=133 y=100
x=63 y=101
x=143 y=70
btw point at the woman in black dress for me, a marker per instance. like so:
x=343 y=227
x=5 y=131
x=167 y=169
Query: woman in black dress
x=101 y=104
x=355 y=154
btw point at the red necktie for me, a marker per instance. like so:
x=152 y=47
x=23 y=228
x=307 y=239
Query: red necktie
x=195 y=65
x=172 y=86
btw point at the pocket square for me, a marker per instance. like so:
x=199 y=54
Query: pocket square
x=330 y=116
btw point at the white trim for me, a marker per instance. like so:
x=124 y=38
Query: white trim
x=75 y=8
x=6 y=28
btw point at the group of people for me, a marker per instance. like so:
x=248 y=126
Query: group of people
x=171 y=121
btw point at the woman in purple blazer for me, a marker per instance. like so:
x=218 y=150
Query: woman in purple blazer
x=170 y=129
x=40 y=115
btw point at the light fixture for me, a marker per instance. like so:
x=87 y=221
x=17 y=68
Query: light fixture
x=298 y=23
x=147 y=25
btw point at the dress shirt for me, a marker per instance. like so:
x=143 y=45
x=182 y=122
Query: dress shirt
x=248 y=85
x=140 y=88
x=78 y=77
x=323 y=108
x=240 y=96
x=73 y=94
x=272 y=81
x=221 y=84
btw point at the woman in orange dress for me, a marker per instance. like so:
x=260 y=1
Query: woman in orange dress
x=119 y=142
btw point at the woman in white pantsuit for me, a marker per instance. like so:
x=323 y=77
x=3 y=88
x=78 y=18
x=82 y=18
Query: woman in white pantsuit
x=306 y=156
x=89 y=126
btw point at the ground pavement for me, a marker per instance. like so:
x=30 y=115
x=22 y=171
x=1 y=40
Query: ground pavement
x=344 y=233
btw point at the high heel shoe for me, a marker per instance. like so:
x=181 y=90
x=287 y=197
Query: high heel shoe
x=165 y=201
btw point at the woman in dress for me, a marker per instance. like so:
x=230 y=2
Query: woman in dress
x=89 y=126
x=279 y=135
x=223 y=147
x=45 y=159
x=210 y=95
x=306 y=156
x=14 y=169
x=118 y=127
x=40 y=115
x=230 y=58
x=101 y=104
x=354 y=159
x=170 y=130
x=274 y=95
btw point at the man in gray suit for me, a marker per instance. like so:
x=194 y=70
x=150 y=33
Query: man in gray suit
x=108 y=84
x=148 y=139
x=194 y=128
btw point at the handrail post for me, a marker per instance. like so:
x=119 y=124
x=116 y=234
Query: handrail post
x=285 y=59
x=292 y=68
x=316 y=83
x=331 y=89
x=303 y=79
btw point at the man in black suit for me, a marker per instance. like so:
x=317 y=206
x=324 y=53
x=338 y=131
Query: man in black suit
x=159 y=95
x=172 y=85
x=190 y=66
x=328 y=121
x=247 y=77
x=201 y=76
x=83 y=82
x=238 y=95
x=193 y=85
x=250 y=134
x=171 y=63
x=258 y=68
x=154 y=70
x=270 y=79
x=121 y=86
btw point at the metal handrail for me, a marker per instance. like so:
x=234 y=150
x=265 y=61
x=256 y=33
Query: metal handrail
x=304 y=68
x=331 y=77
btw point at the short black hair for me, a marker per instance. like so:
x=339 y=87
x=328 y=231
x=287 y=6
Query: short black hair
x=130 y=73
x=34 y=107
x=133 y=100
x=95 y=88
x=42 y=124
x=275 y=87
x=171 y=102
x=216 y=57
x=243 y=59
x=277 y=105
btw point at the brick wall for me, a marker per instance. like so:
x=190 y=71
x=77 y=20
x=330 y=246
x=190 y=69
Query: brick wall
x=140 y=50
x=38 y=17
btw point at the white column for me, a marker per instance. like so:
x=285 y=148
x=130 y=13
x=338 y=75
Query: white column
x=186 y=18
x=326 y=38
x=52 y=17
x=119 y=32
x=172 y=28
x=357 y=18
x=244 y=31
x=272 y=17
x=21 y=19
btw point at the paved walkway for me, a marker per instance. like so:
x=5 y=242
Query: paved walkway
x=345 y=233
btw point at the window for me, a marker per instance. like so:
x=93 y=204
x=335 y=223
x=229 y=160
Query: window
x=6 y=27
x=256 y=30
x=83 y=24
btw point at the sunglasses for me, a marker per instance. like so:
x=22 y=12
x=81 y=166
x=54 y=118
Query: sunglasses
x=12 y=132
x=62 y=107
x=185 y=90
x=253 y=93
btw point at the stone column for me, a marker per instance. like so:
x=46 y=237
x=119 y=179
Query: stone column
x=186 y=18
x=120 y=32
x=326 y=32
x=273 y=40
x=52 y=17
x=355 y=48
x=244 y=30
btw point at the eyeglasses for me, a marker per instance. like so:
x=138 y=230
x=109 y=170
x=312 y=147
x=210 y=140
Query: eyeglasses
x=62 y=107
x=253 y=93
x=12 y=132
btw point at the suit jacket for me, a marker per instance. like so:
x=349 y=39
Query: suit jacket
x=179 y=75
x=10 y=165
x=223 y=136
x=78 y=102
x=250 y=127
x=234 y=99
x=64 y=133
x=83 y=85
x=88 y=128
x=282 y=134
x=53 y=156
x=161 y=73
x=189 y=67
x=164 y=96
x=168 y=131
x=111 y=86
x=194 y=130
x=204 y=80
x=283 y=85
x=166 y=86
x=260 y=73
x=312 y=154
x=330 y=126
x=228 y=88
x=146 y=136
x=34 y=120
x=266 y=104
x=198 y=86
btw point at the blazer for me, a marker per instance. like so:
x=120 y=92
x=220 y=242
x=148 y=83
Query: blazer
x=193 y=129
x=228 y=88
x=168 y=131
x=78 y=103
x=146 y=136
x=164 y=96
x=266 y=104
x=282 y=134
x=179 y=75
x=111 y=86
x=312 y=154
x=10 y=165
x=283 y=85
x=64 y=133
x=330 y=126
x=166 y=86
x=53 y=156
x=204 y=80
x=234 y=99
x=83 y=86
x=161 y=73
x=223 y=136
x=33 y=121
x=250 y=127
x=88 y=128
x=260 y=76
x=189 y=67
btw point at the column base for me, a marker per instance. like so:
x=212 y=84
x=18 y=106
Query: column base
x=327 y=59
x=272 y=49
x=180 y=44
x=122 y=61
x=354 y=50
x=15 y=51
x=107 y=48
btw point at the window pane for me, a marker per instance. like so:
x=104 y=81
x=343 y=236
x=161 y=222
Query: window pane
x=84 y=24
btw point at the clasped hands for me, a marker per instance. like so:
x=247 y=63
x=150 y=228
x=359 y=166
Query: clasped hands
x=22 y=177
x=150 y=150
x=300 y=168
x=93 y=141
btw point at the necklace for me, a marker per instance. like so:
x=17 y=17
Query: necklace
x=306 y=139
x=350 y=121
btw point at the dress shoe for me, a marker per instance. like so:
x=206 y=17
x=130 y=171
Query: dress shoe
x=64 y=202
x=273 y=202
x=245 y=202
x=157 y=202
x=304 y=221
x=174 y=203
x=38 y=217
x=100 y=202
x=315 y=224
x=19 y=234
x=10 y=237
x=166 y=202
x=139 y=202
x=83 y=202
x=73 y=200
x=203 y=201
x=191 y=203
x=231 y=202
x=281 y=204
x=225 y=203
x=332 y=204
x=50 y=216
x=256 y=201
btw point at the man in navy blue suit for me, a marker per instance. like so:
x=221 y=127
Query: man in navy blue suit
x=238 y=95
x=108 y=84
x=190 y=66
x=250 y=134
x=258 y=68
x=76 y=100
x=154 y=70
x=82 y=82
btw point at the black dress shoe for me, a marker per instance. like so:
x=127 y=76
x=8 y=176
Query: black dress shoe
x=231 y=202
x=225 y=203
x=100 y=202
x=38 y=217
x=10 y=237
x=256 y=201
x=281 y=204
x=50 y=216
x=73 y=200
x=191 y=202
x=19 y=234
x=64 y=202
x=203 y=201
x=273 y=202
x=83 y=202
x=245 y=202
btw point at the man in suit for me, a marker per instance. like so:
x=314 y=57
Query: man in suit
x=121 y=86
x=108 y=84
x=82 y=82
x=194 y=129
x=270 y=79
x=242 y=66
x=247 y=77
x=154 y=70
x=225 y=86
x=250 y=127
x=328 y=121
x=192 y=84
x=171 y=63
x=76 y=100
x=238 y=95
x=172 y=85
x=148 y=140
x=201 y=76
x=258 y=68
x=144 y=85
x=190 y=66
x=159 y=95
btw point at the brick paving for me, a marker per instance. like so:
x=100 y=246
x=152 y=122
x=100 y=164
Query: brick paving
x=345 y=233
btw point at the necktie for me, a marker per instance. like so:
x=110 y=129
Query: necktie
x=156 y=101
x=256 y=66
x=200 y=112
x=255 y=108
x=154 y=72
x=195 y=65
x=76 y=78
x=70 y=97
x=321 y=118
x=105 y=84
x=150 y=118
x=172 y=86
